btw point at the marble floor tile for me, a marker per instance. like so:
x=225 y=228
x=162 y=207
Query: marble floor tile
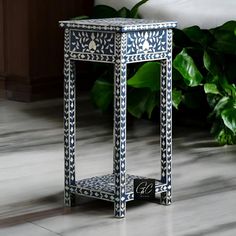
x=26 y=229
x=31 y=176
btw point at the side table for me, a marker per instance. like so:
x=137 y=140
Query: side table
x=119 y=41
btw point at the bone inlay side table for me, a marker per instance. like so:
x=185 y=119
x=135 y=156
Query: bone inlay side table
x=118 y=41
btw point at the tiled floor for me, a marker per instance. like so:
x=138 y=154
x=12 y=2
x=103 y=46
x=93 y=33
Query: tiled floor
x=31 y=177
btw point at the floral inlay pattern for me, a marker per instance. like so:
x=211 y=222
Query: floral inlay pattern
x=92 y=42
x=146 y=42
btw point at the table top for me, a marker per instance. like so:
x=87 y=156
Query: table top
x=118 y=24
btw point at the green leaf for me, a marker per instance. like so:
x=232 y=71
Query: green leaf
x=198 y=35
x=134 y=10
x=104 y=11
x=151 y=103
x=212 y=79
x=123 y=12
x=102 y=94
x=225 y=43
x=211 y=64
x=141 y=101
x=229 y=118
x=177 y=97
x=225 y=38
x=136 y=102
x=221 y=105
x=228 y=26
x=147 y=76
x=211 y=88
x=212 y=100
x=227 y=87
x=180 y=39
x=184 y=63
x=222 y=133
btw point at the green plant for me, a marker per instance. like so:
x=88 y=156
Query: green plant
x=204 y=76
x=104 y=11
x=204 y=63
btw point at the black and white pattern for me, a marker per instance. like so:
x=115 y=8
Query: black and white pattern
x=118 y=41
x=166 y=121
x=106 y=184
x=103 y=187
x=119 y=167
x=146 y=42
x=92 y=42
x=92 y=57
x=69 y=121
x=118 y=24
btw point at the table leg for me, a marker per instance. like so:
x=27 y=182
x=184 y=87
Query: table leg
x=69 y=124
x=119 y=166
x=166 y=121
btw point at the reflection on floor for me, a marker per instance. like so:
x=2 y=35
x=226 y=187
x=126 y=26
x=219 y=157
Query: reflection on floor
x=31 y=177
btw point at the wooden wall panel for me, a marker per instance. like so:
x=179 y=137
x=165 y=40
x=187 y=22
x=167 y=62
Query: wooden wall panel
x=2 y=64
x=17 y=38
x=34 y=49
x=2 y=54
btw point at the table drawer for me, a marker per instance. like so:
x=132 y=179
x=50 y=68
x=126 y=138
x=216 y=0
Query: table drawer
x=92 y=42
x=146 y=42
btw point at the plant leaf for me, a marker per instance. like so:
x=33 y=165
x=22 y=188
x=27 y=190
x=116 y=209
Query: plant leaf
x=180 y=39
x=123 y=12
x=135 y=8
x=229 y=26
x=147 y=76
x=227 y=87
x=198 y=35
x=211 y=64
x=211 y=88
x=223 y=104
x=177 y=98
x=141 y=101
x=102 y=94
x=222 y=133
x=151 y=103
x=136 y=102
x=184 y=63
x=225 y=38
x=229 y=118
x=225 y=43
x=212 y=100
x=104 y=11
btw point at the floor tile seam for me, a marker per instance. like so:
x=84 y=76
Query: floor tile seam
x=51 y=231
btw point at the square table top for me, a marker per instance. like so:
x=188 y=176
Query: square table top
x=118 y=24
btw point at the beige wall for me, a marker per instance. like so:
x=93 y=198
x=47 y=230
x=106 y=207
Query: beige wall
x=205 y=13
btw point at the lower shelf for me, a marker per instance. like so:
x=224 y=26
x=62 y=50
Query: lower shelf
x=103 y=187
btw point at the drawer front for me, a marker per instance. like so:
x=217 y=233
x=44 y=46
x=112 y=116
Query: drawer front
x=92 y=42
x=144 y=42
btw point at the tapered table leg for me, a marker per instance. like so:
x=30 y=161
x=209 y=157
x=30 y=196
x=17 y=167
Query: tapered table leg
x=119 y=166
x=69 y=124
x=166 y=121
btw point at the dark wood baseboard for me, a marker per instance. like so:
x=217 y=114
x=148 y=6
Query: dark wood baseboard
x=2 y=87
x=25 y=90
